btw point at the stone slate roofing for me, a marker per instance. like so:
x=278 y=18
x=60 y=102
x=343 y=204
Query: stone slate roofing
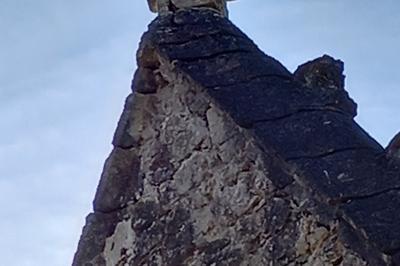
x=299 y=117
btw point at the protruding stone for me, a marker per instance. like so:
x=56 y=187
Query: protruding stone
x=166 y=6
x=122 y=138
x=325 y=74
x=121 y=182
x=393 y=149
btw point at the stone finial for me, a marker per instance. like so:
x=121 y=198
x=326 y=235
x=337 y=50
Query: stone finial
x=393 y=149
x=166 y=6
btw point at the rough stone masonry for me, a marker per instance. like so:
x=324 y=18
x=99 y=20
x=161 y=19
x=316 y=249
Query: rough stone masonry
x=224 y=157
x=165 y=6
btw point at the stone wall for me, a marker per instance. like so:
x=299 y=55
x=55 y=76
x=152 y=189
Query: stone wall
x=223 y=157
x=193 y=188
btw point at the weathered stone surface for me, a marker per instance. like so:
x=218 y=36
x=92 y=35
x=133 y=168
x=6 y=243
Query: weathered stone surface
x=121 y=137
x=223 y=157
x=374 y=215
x=325 y=74
x=341 y=175
x=166 y=6
x=294 y=136
x=393 y=150
x=220 y=57
x=205 y=194
x=90 y=249
x=120 y=182
x=313 y=122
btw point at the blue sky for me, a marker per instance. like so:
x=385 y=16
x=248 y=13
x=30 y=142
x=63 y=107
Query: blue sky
x=66 y=68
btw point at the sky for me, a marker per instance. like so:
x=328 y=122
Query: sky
x=66 y=68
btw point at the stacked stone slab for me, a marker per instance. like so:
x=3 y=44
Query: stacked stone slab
x=224 y=157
